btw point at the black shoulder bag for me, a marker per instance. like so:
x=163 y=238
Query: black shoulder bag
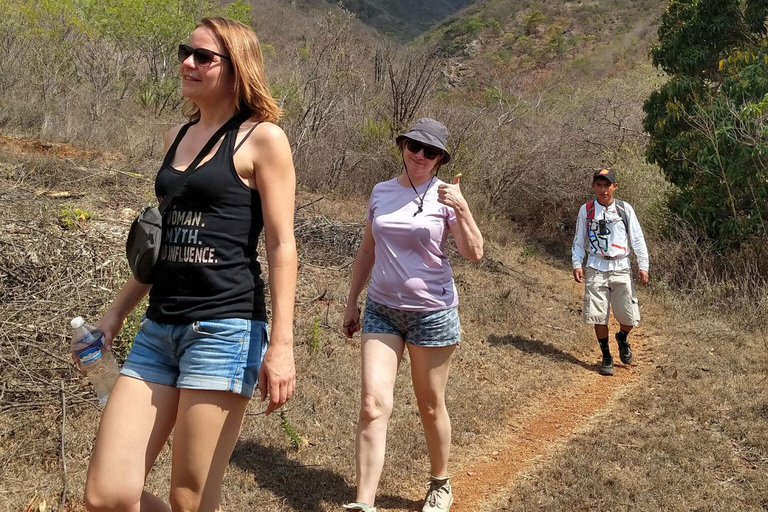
x=145 y=235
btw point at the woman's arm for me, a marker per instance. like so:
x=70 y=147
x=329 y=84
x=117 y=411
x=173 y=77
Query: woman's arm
x=126 y=299
x=360 y=273
x=276 y=182
x=468 y=238
x=132 y=291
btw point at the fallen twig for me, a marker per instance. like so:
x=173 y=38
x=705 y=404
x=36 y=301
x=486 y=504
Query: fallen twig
x=559 y=328
x=63 y=500
x=309 y=203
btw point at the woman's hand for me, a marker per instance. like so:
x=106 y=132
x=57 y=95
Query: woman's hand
x=351 y=321
x=450 y=194
x=110 y=325
x=469 y=240
x=277 y=374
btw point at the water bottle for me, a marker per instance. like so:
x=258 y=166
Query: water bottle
x=97 y=361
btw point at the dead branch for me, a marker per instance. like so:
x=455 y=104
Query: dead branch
x=63 y=499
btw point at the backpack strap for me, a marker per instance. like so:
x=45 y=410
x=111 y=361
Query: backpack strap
x=590 y=210
x=623 y=214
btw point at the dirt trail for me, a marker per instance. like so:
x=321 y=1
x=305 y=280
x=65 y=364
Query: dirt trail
x=20 y=145
x=542 y=428
x=534 y=432
x=554 y=419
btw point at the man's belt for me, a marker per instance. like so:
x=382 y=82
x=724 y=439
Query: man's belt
x=603 y=257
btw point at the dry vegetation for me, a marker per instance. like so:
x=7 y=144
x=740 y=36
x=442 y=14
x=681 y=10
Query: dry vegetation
x=523 y=339
x=689 y=436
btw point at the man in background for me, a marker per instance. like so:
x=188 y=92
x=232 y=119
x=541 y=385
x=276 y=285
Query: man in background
x=606 y=229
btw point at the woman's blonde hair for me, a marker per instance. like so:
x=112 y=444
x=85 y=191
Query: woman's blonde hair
x=251 y=89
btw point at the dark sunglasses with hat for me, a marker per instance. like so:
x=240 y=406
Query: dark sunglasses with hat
x=427 y=134
x=604 y=173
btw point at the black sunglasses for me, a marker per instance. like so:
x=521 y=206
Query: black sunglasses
x=430 y=152
x=203 y=56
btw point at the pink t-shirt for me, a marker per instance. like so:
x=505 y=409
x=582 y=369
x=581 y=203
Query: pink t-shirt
x=411 y=270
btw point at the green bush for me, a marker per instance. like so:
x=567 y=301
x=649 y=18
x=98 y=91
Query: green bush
x=708 y=122
x=267 y=50
x=66 y=38
x=532 y=21
x=374 y=134
x=314 y=336
x=296 y=441
x=123 y=342
x=502 y=56
x=72 y=218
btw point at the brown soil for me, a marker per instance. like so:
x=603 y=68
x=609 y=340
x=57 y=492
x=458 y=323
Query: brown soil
x=534 y=431
x=542 y=430
x=19 y=145
x=544 y=426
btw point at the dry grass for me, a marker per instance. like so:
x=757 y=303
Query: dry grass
x=76 y=272
x=692 y=436
x=523 y=338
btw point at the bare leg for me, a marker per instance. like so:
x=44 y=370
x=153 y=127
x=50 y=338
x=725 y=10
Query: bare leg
x=625 y=328
x=381 y=355
x=601 y=331
x=429 y=371
x=136 y=423
x=207 y=428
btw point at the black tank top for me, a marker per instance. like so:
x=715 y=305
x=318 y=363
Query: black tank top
x=208 y=265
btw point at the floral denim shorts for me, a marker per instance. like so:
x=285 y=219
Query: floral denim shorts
x=423 y=328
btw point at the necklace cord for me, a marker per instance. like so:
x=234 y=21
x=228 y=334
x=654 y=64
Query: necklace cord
x=421 y=198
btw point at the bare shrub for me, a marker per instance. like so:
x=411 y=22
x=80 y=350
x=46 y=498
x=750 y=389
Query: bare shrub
x=413 y=76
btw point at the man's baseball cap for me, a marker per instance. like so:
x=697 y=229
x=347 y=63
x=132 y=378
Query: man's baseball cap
x=604 y=173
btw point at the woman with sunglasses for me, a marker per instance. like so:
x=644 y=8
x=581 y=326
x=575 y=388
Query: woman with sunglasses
x=411 y=302
x=202 y=348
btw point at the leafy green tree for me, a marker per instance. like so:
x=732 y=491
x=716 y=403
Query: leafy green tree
x=707 y=124
x=97 y=39
x=154 y=29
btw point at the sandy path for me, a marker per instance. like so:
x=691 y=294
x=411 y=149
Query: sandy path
x=543 y=428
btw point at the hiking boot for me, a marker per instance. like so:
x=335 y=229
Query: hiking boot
x=625 y=352
x=359 y=506
x=439 y=496
x=606 y=367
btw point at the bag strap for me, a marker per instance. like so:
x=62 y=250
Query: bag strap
x=193 y=166
x=623 y=214
x=590 y=210
x=619 y=208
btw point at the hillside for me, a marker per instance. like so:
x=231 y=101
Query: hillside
x=534 y=95
x=503 y=37
x=534 y=426
x=401 y=18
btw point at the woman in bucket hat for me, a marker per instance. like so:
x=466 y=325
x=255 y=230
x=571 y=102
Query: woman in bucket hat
x=411 y=302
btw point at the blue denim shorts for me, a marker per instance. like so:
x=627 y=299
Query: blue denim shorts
x=422 y=328
x=216 y=355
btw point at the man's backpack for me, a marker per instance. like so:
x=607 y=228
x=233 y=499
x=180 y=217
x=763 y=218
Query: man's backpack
x=619 y=208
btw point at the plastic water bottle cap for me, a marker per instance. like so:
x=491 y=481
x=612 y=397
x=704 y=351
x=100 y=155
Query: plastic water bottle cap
x=77 y=322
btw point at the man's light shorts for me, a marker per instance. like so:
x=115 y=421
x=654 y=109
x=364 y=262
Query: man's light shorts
x=610 y=289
